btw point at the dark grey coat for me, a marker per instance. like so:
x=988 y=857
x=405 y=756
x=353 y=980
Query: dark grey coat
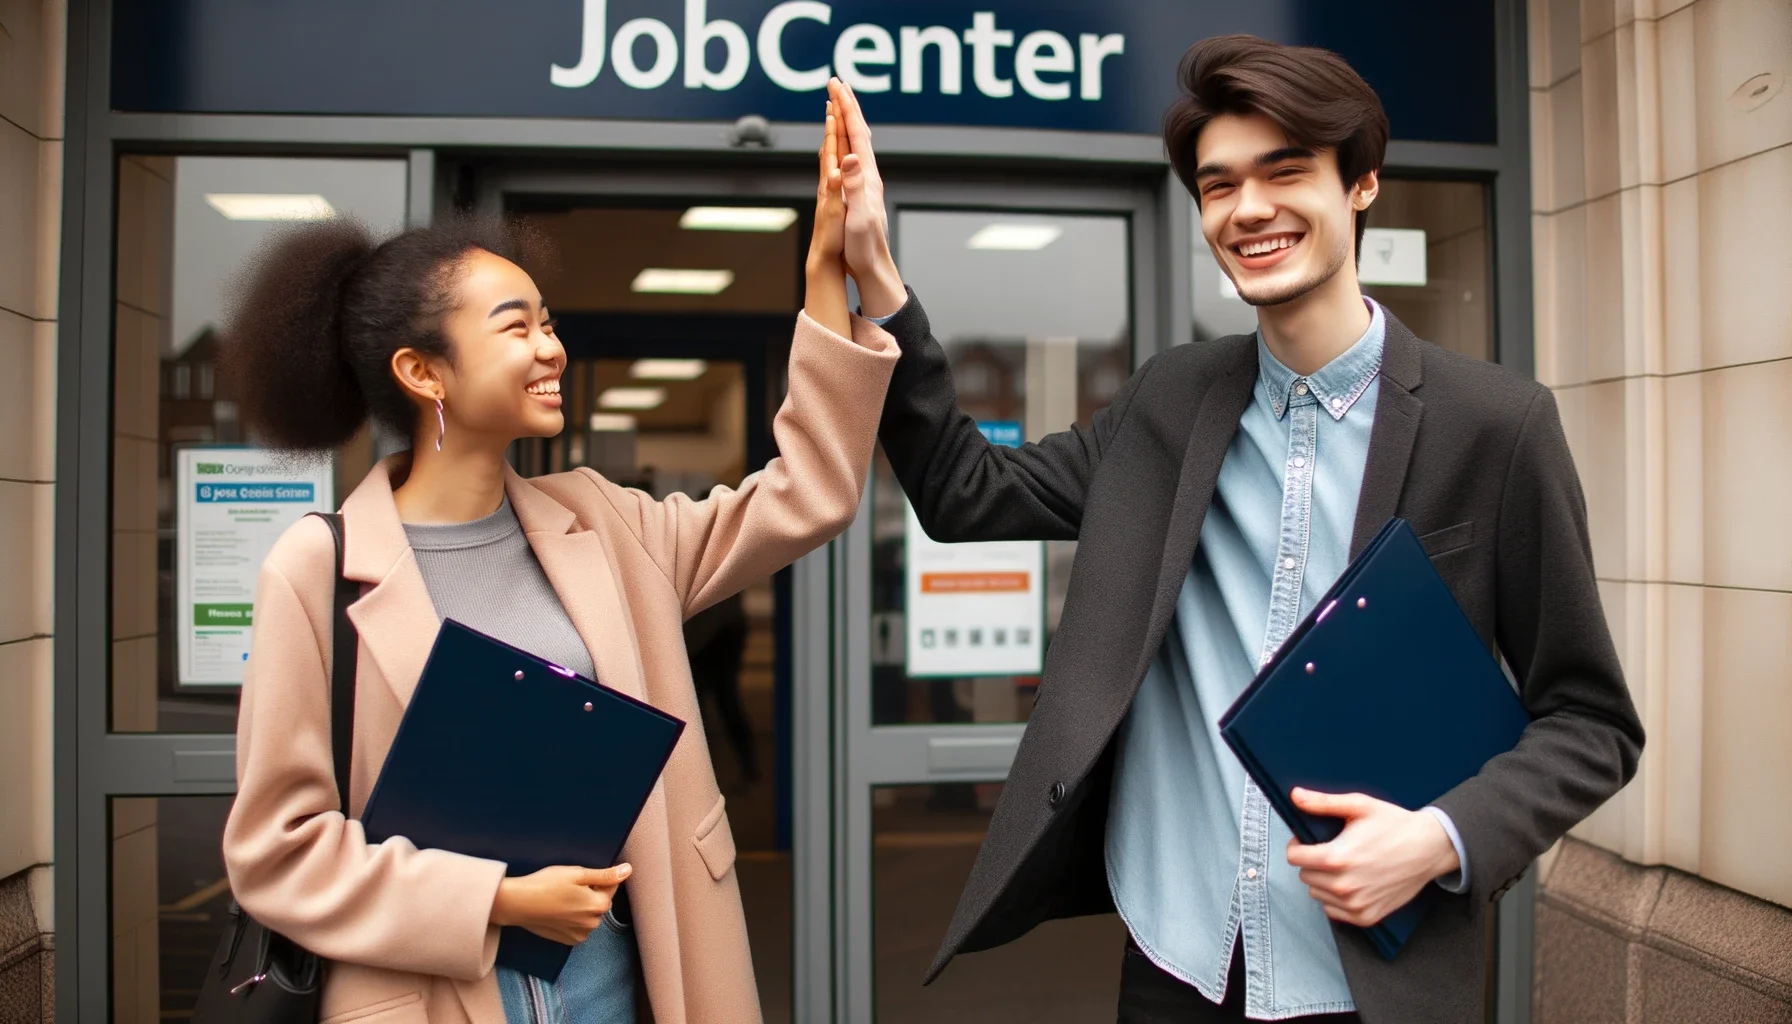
x=1468 y=452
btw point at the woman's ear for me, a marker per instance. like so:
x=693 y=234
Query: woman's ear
x=415 y=374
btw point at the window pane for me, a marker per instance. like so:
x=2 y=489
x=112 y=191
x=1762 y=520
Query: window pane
x=1034 y=314
x=187 y=227
x=1454 y=307
x=924 y=839
x=170 y=902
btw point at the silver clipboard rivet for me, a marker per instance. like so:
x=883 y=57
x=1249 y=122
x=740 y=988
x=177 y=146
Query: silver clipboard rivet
x=519 y=674
x=1310 y=668
x=587 y=705
x=1362 y=602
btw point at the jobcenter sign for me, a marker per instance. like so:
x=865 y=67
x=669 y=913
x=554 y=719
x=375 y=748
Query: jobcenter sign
x=1046 y=64
x=1081 y=65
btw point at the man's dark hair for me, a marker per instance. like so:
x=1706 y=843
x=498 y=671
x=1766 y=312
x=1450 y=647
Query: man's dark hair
x=1311 y=94
x=308 y=347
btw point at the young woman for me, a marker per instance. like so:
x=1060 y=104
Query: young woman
x=439 y=334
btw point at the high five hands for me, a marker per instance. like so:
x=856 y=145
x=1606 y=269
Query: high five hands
x=852 y=227
x=825 y=266
x=868 y=257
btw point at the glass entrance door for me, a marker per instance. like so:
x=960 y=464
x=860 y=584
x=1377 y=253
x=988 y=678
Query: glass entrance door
x=1039 y=297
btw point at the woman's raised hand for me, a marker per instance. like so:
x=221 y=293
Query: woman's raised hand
x=868 y=257
x=825 y=296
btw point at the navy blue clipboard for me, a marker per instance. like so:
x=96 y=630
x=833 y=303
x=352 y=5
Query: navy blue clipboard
x=506 y=756
x=1384 y=689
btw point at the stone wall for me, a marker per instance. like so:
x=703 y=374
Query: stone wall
x=1662 y=185
x=31 y=73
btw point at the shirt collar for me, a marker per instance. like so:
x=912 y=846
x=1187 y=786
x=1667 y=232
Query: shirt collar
x=1337 y=385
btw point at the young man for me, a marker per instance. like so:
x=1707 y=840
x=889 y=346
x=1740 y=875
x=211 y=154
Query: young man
x=1223 y=490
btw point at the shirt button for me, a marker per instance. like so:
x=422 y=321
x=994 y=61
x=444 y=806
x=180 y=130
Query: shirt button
x=1056 y=795
x=1287 y=563
x=1337 y=403
x=1301 y=388
x=1252 y=873
x=1299 y=461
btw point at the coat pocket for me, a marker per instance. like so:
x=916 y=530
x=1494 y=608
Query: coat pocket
x=407 y=1007
x=1438 y=543
x=715 y=840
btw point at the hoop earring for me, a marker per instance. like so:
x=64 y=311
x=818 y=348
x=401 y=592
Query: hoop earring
x=441 y=425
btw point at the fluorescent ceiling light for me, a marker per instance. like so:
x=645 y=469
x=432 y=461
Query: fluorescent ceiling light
x=632 y=398
x=264 y=206
x=664 y=281
x=667 y=369
x=612 y=422
x=1015 y=236
x=737 y=218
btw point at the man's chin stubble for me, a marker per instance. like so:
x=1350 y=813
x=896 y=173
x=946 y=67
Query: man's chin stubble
x=1297 y=290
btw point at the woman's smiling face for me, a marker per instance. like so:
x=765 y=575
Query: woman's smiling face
x=503 y=381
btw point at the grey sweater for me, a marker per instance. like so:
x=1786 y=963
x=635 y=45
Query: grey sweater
x=484 y=574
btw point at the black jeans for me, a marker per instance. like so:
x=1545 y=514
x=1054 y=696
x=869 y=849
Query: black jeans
x=1149 y=995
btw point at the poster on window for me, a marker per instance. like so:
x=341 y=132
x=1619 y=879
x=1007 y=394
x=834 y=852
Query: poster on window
x=231 y=505
x=975 y=609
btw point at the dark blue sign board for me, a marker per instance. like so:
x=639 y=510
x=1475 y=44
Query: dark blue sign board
x=1092 y=65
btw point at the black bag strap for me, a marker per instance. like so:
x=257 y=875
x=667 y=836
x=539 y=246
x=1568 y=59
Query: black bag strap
x=344 y=643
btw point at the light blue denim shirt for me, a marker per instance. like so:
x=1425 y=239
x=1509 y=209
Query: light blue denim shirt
x=1195 y=855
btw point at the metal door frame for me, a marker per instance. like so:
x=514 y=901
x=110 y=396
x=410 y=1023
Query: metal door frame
x=873 y=756
x=812 y=864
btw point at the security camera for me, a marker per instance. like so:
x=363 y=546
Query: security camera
x=751 y=132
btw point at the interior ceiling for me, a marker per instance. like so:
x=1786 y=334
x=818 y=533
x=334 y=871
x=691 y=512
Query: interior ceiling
x=688 y=405
x=596 y=253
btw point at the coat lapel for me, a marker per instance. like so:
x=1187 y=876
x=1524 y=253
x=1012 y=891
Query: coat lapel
x=395 y=616
x=1216 y=421
x=580 y=569
x=1397 y=414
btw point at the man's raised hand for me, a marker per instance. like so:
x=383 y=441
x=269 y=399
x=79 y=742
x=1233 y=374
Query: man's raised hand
x=868 y=257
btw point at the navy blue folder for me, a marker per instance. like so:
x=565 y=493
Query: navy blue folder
x=1385 y=689
x=506 y=756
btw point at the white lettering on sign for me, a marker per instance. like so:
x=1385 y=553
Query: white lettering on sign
x=665 y=53
x=1041 y=52
x=698 y=31
x=771 y=45
x=984 y=38
x=591 y=51
x=1095 y=50
x=867 y=56
x=914 y=53
x=864 y=44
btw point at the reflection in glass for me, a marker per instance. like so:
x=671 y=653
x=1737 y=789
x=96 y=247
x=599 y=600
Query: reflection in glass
x=170 y=903
x=1454 y=307
x=1038 y=332
x=924 y=839
x=187 y=226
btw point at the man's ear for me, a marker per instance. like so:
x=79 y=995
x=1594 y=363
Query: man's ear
x=1363 y=193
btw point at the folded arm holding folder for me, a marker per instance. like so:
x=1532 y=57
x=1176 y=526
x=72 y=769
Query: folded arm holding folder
x=505 y=756
x=1385 y=692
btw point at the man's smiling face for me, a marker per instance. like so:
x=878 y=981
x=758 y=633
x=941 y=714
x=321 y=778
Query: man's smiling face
x=1279 y=219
